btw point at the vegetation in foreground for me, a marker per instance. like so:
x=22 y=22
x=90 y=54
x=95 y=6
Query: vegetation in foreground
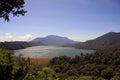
x=97 y=66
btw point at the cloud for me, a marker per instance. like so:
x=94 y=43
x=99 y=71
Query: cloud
x=82 y=38
x=77 y=38
x=10 y=37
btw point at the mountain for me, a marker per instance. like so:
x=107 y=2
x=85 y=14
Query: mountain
x=54 y=40
x=49 y=40
x=109 y=40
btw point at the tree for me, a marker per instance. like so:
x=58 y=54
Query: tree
x=6 y=62
x=108 y=73
x=14 y=7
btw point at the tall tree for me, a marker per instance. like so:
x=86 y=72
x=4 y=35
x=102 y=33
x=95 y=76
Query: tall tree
x=6 y=62
x=14 y=7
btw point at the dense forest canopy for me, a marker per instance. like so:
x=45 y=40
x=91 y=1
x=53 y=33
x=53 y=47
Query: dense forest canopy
x=97 y=66
x=104 y=65
x=14 y=45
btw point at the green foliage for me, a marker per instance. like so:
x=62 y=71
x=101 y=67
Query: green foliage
x=5 y=57
x=6 y=62
x=44 y=74
x=14 y=45
x=23 y=69
x=86 y=78
x=108 y=73
x=116 y=78
x=97 y=66
x=100 y=64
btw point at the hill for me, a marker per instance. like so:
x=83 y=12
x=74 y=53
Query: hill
x=53 y=40
x=14 y=45
x=106 y=41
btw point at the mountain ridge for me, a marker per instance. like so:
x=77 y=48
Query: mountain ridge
x=54 y=40
x=108 y=40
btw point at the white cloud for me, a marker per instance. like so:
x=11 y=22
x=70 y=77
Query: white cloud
x=76 y=38
x=81 y=38
x=10 y=37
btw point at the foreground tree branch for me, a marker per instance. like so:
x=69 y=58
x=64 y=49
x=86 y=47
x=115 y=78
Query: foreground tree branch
x=14 y=7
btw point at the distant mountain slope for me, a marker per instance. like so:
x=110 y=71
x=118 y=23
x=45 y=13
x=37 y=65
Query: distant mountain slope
x=49 y=40
x=109 y=40
x=54 y=40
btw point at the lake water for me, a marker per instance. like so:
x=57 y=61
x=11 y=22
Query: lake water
x=50 y=51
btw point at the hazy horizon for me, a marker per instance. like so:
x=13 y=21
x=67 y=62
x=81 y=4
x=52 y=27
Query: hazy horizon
x=79 y=20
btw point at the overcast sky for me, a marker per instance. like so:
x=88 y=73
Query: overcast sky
x=76 y=19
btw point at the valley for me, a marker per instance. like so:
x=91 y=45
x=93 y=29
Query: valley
x=59 y=39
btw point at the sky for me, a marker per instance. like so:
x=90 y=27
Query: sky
x=79 y=20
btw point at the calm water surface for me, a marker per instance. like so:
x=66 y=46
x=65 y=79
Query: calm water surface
x=50 y=51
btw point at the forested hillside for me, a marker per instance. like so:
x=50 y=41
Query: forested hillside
x=97 y=66
x=107 y=41
x=14 y=45
x=17 y=45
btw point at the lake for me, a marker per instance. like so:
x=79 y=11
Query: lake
x=50 y=51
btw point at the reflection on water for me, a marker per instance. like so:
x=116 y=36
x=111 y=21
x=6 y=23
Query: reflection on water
x=50 y=51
